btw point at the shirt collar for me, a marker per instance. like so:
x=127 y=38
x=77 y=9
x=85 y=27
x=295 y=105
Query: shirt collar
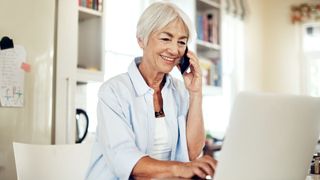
x=139 y=83
x=169 y=82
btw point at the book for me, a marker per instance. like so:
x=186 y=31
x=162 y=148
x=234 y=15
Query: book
x=205 y=66
x=217 y=76
x=200 y=26
x=205 y=28
x=99 y=5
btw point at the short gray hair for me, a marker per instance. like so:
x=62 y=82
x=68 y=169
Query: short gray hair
x=157 y=16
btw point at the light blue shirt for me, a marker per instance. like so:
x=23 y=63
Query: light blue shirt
x=126 y=123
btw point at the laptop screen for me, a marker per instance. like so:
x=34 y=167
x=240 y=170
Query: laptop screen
x=270 y=136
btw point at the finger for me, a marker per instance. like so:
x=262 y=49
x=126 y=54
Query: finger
x=206 y=168
x=178 y=67
x=195 y=63
x=195 y=67
x=199 y=172
x=203 y=166
x=212 y=162
x=209 y=160
x=192 y=55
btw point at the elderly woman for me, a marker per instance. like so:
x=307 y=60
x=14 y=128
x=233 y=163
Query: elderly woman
x=150 y=124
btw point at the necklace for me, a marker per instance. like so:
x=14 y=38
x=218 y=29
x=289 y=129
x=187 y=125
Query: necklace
x=159 y=113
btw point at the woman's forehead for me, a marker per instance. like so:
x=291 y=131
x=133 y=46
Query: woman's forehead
x=174 y=28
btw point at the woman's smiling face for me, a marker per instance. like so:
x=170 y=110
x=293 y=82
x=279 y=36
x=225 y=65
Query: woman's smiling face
x=166 y=46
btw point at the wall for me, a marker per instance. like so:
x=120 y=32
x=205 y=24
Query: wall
x=30 y=25
x=253 y=38
x=272 y=48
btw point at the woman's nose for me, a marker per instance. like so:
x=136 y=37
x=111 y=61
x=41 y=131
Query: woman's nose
x=173 y=49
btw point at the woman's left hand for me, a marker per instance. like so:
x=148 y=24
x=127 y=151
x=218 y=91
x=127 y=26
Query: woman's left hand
x=193 y=79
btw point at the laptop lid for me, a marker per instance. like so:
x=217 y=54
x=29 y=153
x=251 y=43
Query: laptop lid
x=270 y=137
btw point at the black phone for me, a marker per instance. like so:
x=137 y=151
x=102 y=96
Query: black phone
x=184 y=62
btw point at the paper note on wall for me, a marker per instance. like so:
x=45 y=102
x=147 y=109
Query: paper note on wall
x=12 y=76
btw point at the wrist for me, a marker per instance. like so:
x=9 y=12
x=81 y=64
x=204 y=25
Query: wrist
x=195 y=95
x=176 y=169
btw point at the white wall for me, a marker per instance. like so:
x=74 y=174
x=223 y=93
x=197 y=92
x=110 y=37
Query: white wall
x=272 y=60
x=253 y=46
x=30 y=24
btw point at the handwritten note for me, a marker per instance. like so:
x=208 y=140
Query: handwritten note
x=12 y=76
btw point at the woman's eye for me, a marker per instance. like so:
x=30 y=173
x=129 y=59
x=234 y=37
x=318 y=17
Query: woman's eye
x=182 y=43
x=165 y=39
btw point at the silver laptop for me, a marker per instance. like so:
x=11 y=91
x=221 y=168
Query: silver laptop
x=270 y=137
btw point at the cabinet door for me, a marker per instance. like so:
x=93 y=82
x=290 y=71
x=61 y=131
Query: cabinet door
x=66 y=59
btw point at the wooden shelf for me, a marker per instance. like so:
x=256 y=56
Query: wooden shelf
x=207 y=4
x=208 y=45
x=208 y=50
x=90 y=48
x=87 y=13
x=86 y=75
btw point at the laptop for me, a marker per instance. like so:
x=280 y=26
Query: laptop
x=270 y=137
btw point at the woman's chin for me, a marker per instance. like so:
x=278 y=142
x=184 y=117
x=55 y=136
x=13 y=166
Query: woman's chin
x=167 y=70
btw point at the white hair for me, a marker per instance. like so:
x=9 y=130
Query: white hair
x=157 y=16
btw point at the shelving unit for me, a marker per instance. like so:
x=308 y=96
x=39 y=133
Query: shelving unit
x=90 y=45
x=208 y=47
x=79 y=64
x=90 y=61
x=85 y=75
x=86 y=13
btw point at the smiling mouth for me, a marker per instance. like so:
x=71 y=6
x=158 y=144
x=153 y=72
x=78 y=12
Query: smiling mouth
x=168 y=59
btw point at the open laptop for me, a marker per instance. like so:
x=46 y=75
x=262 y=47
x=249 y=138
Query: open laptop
x=270 y=137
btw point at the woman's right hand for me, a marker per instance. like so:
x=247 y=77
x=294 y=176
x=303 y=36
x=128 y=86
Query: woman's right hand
x=201 y=167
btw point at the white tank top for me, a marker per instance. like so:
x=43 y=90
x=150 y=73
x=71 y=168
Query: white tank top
x=161 y=148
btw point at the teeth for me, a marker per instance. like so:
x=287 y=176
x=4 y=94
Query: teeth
x=167 y=58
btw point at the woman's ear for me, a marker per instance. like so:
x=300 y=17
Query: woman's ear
x=140 y=42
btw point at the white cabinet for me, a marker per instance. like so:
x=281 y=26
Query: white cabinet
x=79 y=62
x=90 y=63
x=65 y=72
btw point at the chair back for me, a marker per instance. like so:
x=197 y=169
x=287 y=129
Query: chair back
x=51 y=162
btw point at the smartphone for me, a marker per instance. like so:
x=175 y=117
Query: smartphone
x=184 y=62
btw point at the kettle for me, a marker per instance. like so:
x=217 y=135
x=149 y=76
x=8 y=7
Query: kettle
x=82 y=125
